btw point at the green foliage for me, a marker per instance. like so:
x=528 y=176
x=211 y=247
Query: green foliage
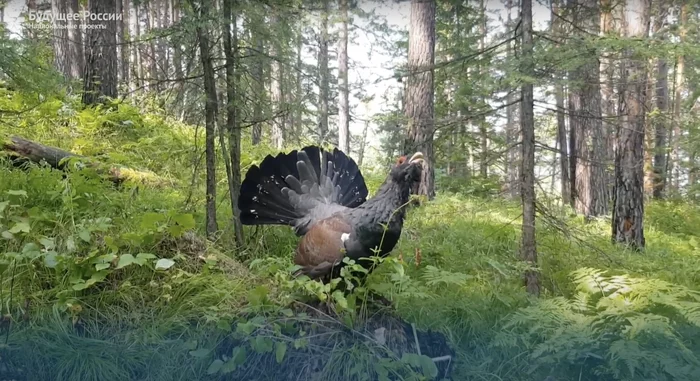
x=615 y=327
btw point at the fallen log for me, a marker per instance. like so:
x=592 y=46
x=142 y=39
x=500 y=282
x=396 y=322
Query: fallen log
x=21 y=150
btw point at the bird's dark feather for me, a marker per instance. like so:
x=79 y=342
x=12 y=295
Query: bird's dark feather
x=322 y=194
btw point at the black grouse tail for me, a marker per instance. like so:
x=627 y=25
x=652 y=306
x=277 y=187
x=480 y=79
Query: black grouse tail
x=300 y=187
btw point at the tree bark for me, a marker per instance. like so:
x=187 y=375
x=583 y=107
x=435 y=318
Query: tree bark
x=101 y=56
x=528 y=250
x=628 y=213
x=258 y=86
x=211 y=107
x=324 y=74
x=678 y=101
x=483 y=128
x=68 y=43
x=363 y=143
x=344 y=91
x=561 y=117
x=660 y=145
x=512 y=129
x=586 y=117
x=230 y=32
x=610 y=116
x=420 y=107
x=278 y=127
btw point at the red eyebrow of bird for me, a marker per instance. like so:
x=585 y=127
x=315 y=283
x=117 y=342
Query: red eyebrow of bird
x=401 y=160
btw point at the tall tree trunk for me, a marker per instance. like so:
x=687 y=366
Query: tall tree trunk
x=299 y=96
x=344 y=91
x=258 y=85
x=678 y=101
x=591 y=195
x=574 y=105
x=278 y=128
x=151 y=23
x=68 y=40
x=528 y=250
x=211 y=108
x=135 y=27
x=661 y=128
x=483 y=128
x=561 y=117
x=610 y=116
x=628 y=213
x=230 y=32
x=512 y=128
x=420 y=107
x=101 y=63
x=324 y=89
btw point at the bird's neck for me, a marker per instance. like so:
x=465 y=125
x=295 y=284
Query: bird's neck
x=389 y=203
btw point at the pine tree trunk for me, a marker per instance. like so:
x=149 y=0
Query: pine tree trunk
x=628 y=213
x=258 y=86
x=420 y=106
x=137 y=73
x=483 y=128
x=343 y=95
x=232 y=125
x=610 y=117
x=324 y=74
x=363 y=143
x=561 y=117
x=528 y=250
x=211 y=107
x=661 y=128
x=512 y=128
x=101 y=64
x=677 y=102
x=68 y=41
x=278 y=132
x=299 y=96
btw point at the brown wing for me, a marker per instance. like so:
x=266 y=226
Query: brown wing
x=322 y=246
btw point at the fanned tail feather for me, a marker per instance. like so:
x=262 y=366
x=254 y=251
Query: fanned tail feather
x=300 y=187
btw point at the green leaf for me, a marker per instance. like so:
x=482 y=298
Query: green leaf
x=239 y=355
x=215 y=366
x=3 y=205
x=125 y=260
x=7 y=235
x=200 y=353
x=258 y=295
x=48 y=243
x=185 y=220
x=20 y=227
x=70 y=244
x=84 y=235
x=182 y=223
x=262 y=344
x=20 y=192
x=164 y=264
x=51 y=260
x=229 y=366
x=101 y=266
x=280 y=351
x=149 y=221
x=224 y=325
x=339 y=298
x=245 y=328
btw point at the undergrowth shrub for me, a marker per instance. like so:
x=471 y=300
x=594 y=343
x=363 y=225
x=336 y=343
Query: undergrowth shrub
x=614 y=328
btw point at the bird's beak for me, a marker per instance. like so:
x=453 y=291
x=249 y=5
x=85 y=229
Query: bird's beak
x=417 y=158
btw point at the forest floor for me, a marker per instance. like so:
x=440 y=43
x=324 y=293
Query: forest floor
x=105 y=282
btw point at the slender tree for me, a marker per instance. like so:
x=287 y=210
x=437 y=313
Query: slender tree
x=324 y=74
x=230 y=33
x=660 y=127
x=344 y=91
x=420 y=107
x=528 y=250
x=276 y=79
x=211 y=110
x=561 y=114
